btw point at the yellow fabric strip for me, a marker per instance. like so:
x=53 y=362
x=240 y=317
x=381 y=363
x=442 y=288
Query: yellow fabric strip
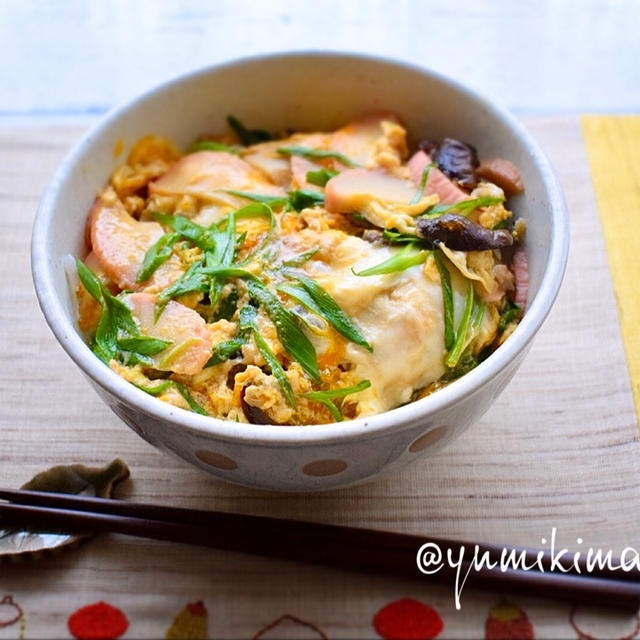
x=613 y=147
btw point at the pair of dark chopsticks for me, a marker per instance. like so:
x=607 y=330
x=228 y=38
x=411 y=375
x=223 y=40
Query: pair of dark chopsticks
x=372 y=551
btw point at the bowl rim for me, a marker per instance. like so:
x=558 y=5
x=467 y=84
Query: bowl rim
x=360 y=428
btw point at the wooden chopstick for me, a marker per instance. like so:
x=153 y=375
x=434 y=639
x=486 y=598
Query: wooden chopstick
x=330 y=533
x=381 y=552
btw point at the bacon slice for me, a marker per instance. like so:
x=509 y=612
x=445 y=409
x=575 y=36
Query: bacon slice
x=521 y=273
x=503 y=173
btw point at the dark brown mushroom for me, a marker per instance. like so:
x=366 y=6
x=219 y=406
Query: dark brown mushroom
x=374 y=236
x=233 y=372
x=254 y=415
x=458 y=160
x=461 y=234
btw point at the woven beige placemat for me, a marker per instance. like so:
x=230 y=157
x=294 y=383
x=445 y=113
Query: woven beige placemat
x=558 y=449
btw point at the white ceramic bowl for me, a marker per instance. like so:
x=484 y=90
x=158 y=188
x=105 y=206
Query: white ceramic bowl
x=302 y=91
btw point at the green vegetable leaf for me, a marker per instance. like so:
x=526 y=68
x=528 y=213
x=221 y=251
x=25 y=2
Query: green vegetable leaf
x=145 y=345
x=212 y=145
x=115 y=321
x=467 y=362
x=248 y=321
x=463 y=208
x=423 y=183
x=510 y=313
x=223 y=253
x=479 y=310
x=463 y=329
x=303 y=198
x=316 y=154
x=121 y=314
x=191 y=401
x=325 y=306
x=273 y=201
x=105 y=342
x=200 y=236
x=227 y=306
x=193 y=279
x=327 y=397
x=294 y=341
x=155 y=390
x=90 y=281
x=321 y=177
x=257 y=210
x=396 y=237
x=301 y=258
x=276 y=368
x=228 y=272
x=159 y=253
x=224 y=351
x=402 y=260
x=447 y=299
x=248 y=136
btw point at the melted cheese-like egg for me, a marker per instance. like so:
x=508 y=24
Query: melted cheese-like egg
x=400 y=315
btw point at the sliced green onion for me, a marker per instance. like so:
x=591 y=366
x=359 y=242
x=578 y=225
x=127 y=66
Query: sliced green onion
x=227 y=306
x=292 y=338
x=325 y=306
x=510 y=313
x=447 y=299
x=158 y=254
x=212 y=145
x=145 y=345
x=155 y=390
x=423 y=183
x=176 y=352
x=273 y=201
x=191 y=401
x=223 y=254
x=193 y=279
x=301 y=258
x=228 y=272
x=316 y=154
x=199 y=235
x=396 y=237
x=248 y=136
x=223 y=351
x=90 y=281
x=478 y=315
x=463 y=329
x=321 y=177
x=248 y=321
x=402 y=260
x=463 y=208
x=257 y=210
x=303 y=198
x=327 y=397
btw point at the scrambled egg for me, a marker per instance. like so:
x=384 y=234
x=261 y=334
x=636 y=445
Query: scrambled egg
x=399 y=315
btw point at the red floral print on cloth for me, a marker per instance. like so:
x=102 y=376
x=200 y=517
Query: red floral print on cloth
x=98 y=621
x=302 y=628
x=620 y=626
x=10 y=612
x=191 y=623
x=507 y=622
x=408 y=619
